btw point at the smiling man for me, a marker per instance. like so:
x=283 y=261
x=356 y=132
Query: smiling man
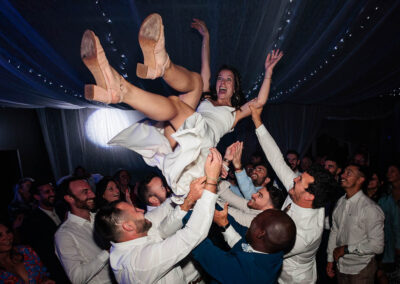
x=243 y=210
x=39 y=228
x=357 y=231
x=308 y=194
x=83 y=260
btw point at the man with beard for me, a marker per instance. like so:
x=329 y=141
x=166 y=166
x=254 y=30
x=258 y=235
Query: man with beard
x=308 y=194
x=139 y=254
x=357 y=231
x=247 y=184
x=243 y=210
x=39 y=229
x=82 y=258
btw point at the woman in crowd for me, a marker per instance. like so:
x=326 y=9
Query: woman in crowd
x=19 y=264
x=194 y=131
x=107 y=191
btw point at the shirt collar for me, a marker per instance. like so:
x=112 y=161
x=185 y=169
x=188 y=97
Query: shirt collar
x=248 y=248
x=79 y=220
x=134 y=242
x=47 y=211
x=355 y=197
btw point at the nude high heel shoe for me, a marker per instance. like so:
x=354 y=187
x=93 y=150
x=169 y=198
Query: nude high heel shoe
x=152 y=43
x=109 y=83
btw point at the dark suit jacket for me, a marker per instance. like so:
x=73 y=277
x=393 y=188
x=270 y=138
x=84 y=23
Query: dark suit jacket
x=39 y=230
x=236 y=265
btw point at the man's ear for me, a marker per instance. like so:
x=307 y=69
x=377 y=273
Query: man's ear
x=309 y=196
x=360 y=180
x=68 y=199
x=128 y=226
x=260 y=234
x=36 y=196
x=266 y=181
x=153 y=201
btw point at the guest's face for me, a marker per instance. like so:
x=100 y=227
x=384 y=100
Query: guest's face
x=351 y=178
x=393 y=174
x=135 y=216
x=331 y=166
x=225 y=85
x=260 y=200
x=112 y=192
x=293 y=161
x=374 y=182
x=47 y=196
x=158 y=190
x=24 y=190
x=124 y=178
x=82 y=195
x=259 y=174
x=301 y=183
x=6 y=239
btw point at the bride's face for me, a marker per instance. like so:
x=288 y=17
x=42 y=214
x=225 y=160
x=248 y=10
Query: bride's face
x=225 y=85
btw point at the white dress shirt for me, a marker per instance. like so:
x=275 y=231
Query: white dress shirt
x=299 y=264
x=82 y=259
x=358 y=223
x=237 y=208
x=151 y=259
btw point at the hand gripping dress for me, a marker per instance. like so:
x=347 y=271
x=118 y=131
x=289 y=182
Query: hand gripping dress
x=199 y=132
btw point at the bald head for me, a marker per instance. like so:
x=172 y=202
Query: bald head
x=272 y=231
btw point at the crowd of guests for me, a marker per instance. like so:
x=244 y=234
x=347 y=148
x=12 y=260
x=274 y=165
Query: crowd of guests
x=52 y=233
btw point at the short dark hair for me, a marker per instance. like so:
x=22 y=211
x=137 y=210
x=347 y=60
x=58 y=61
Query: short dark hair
x=365 y=173
x=34 y=190
x=106 y=221
x=277 y=196
x=143 y=190
x=65 y=188
x=291 y=151
x=324 y=186
x=336 y=159
x=262 y=164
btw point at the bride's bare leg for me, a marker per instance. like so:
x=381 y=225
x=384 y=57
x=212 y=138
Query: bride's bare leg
x=157 y=63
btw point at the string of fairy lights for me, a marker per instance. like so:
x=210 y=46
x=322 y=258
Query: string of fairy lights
x=367 y=16
x=364 y=20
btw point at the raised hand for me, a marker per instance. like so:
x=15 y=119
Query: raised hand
x=237 y=156
x=221 y=217
x=229 y=151
x=272 y=59
x=200 y=26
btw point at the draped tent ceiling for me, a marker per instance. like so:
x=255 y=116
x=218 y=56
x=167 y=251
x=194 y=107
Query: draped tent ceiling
x=341 y=62
x=336 y=52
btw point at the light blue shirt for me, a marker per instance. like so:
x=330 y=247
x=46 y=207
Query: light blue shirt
x=246 y=187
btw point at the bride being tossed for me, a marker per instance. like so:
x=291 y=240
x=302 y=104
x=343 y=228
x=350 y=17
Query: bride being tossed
x=179 y=149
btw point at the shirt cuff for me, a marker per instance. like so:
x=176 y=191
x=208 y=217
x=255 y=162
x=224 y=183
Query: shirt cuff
x=330 y=258
x=351 y=248
x=179 y=213
x=241 y=174
x=209 y=195
x=261 y=130
x=231 y=236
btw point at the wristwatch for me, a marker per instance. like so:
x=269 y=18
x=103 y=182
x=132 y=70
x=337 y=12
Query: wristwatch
x=223 y=229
